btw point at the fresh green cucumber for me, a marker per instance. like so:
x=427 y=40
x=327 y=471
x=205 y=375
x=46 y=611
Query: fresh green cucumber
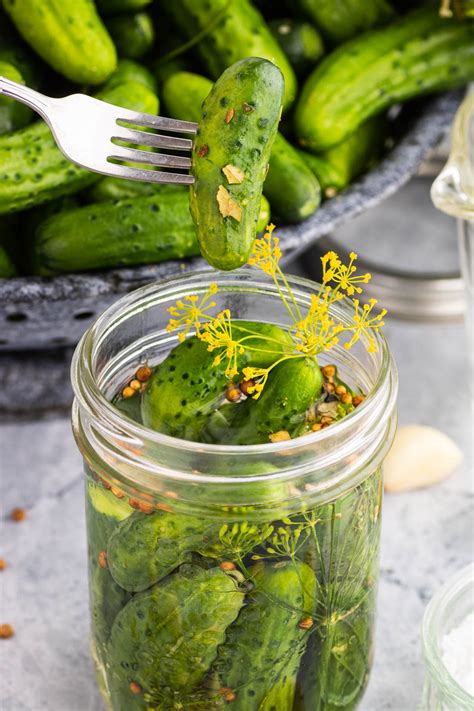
x=300 y=41
x=291 y=187
x=230 y=159
x=291 y=388
x=69 y=36
x=13 y=114
x=7 y=268
x=183 y=95
x=268 y=632
x=165 y=640
x=185 y=389
x=336 y=167
x=133 y=35
x=128 y=70
x=234 y=30
x=122 y=189
x=138 y=231
x=113 y=7
x=33 y=169
x=418 y=54
x=346 y=18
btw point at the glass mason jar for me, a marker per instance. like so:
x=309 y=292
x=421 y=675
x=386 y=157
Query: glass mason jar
x=228 y=576
x=447 y=610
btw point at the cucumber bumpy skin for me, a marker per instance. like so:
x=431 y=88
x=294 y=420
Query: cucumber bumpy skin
x=291 y=388
x=186 y=388
x=284 y=594
x=144 y=548
x=33 y=169
x=342 y=20
x=70 y=36
x=165 y=640
x=290 y=186
x=142 y=230
x=239 y=123
x=418 y=54
x=234 y=30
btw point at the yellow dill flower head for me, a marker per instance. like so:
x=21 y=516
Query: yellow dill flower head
x=266 y=252
x=190 y=312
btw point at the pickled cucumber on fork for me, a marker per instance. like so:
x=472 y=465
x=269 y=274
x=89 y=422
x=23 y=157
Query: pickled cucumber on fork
x=165 y=640
x=260 y=658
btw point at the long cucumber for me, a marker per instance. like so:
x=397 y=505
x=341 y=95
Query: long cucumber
x=234 y=30
x=136 y=231
x=419 y=54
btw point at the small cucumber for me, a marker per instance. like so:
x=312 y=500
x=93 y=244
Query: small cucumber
x=336 y=167
x=342 y=20
x=145 y=548
x=291 y=388
x=183 y=95
x=230 y=159
x=128 y=70
x=300 y=41
x=139 y=231
x=233 y=31
x=185 y=389
x=133 y=35
x=166 y=639
x=267 y=631
x=13 y=115
x=69 y=36
x=291 y=187
x=113 y=7
x=33 y=169
x=418 y=54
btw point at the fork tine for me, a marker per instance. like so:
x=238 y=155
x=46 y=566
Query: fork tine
x=160 y=122
x=164 y=159
x=142 y=138
x=149 y=176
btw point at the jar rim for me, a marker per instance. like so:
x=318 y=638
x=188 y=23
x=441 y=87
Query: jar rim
x=459 y=585
x=376 y=410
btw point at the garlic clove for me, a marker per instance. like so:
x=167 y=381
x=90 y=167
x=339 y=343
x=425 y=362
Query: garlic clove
x=420 y=456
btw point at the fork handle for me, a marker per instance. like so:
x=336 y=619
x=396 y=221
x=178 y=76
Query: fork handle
x=30 y=97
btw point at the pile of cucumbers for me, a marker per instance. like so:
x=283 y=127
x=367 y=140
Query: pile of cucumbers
x=341 y=66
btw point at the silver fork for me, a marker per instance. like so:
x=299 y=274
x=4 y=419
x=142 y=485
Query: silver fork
x=84 y=129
